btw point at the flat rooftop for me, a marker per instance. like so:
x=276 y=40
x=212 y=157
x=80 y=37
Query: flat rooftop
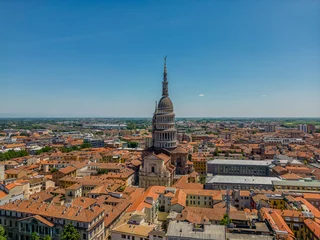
x=298 y=183
x=186 y=230
x=240 y=236
x=242 y=179
x=241 y=162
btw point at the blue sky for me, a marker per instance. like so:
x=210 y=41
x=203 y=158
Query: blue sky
x=105 y=58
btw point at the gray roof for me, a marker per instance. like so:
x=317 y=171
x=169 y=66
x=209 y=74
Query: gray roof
x=185 y=230
x=301 y=183
x=241 y=162
x=239 y=236
x=242 y=179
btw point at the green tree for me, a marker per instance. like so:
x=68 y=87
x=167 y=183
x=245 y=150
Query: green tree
x=53 y=170
x=70 y=233
x=2 y=233
x=132 y=144
x=216 y=152
x=202 y=179
x=47 y=238
x=85 y=145
x=102 y=171
x=35 y=236
x=13 y=154
x=225 y=219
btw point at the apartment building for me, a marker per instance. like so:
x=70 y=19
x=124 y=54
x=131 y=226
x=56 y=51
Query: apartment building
x=23 y=217
x=312 y=230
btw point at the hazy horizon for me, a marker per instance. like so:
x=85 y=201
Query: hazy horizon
x=105 y=58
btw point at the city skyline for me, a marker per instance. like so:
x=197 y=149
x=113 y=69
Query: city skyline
x=248 y=59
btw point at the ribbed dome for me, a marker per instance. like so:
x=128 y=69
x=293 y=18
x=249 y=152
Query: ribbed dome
x=165 y=104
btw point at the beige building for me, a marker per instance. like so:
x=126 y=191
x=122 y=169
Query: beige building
x=157 y=170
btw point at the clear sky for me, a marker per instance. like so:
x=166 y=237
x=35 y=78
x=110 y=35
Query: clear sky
x=233 y=58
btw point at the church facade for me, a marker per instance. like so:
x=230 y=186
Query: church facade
x=164 y=158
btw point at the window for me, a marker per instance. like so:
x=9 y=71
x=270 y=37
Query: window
x=152 y=169
x=84 y=236
x=123 y=236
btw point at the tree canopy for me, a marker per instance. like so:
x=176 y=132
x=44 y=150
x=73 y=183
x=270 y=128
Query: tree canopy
x=12 y=154
x=43 y=150
x=70 y=233
x=2 y=233
x=132 y=144
x=35 y=236
x=225 y=220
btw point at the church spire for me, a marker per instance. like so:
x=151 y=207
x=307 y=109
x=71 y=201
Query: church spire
x=165 y=81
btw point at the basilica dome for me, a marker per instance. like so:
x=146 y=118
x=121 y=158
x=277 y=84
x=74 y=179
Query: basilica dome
x=165 y=104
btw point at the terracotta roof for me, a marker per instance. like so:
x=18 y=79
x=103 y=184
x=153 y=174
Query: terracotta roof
x=313 y=227
x=290 y=176
x=57 y=211
x=11 y=185
x=140 y=230
x=67 y=169
x=182 y=183
x=179 y=198
x=2 y=194
x=311 y=208
x=279 y=169
x=39 y=218
x=140 y=203
x=14 y=171
x=311 y=196
x=244 y=193
x=276 y=222
x=164 y=157
x=179 y=150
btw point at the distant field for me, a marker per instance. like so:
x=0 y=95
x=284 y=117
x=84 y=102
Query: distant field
x=296 y=123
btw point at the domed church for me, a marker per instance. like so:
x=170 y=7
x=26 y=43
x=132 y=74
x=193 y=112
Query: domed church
x=164 y=158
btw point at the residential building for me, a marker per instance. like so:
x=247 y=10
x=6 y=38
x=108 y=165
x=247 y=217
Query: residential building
x=133 y=226
x=63 y=172
x=199 y=164
x=95 y=143
x=11 y=192
x=23 y=217
x=269 y=127
x=312 y=230
x=277 y=224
